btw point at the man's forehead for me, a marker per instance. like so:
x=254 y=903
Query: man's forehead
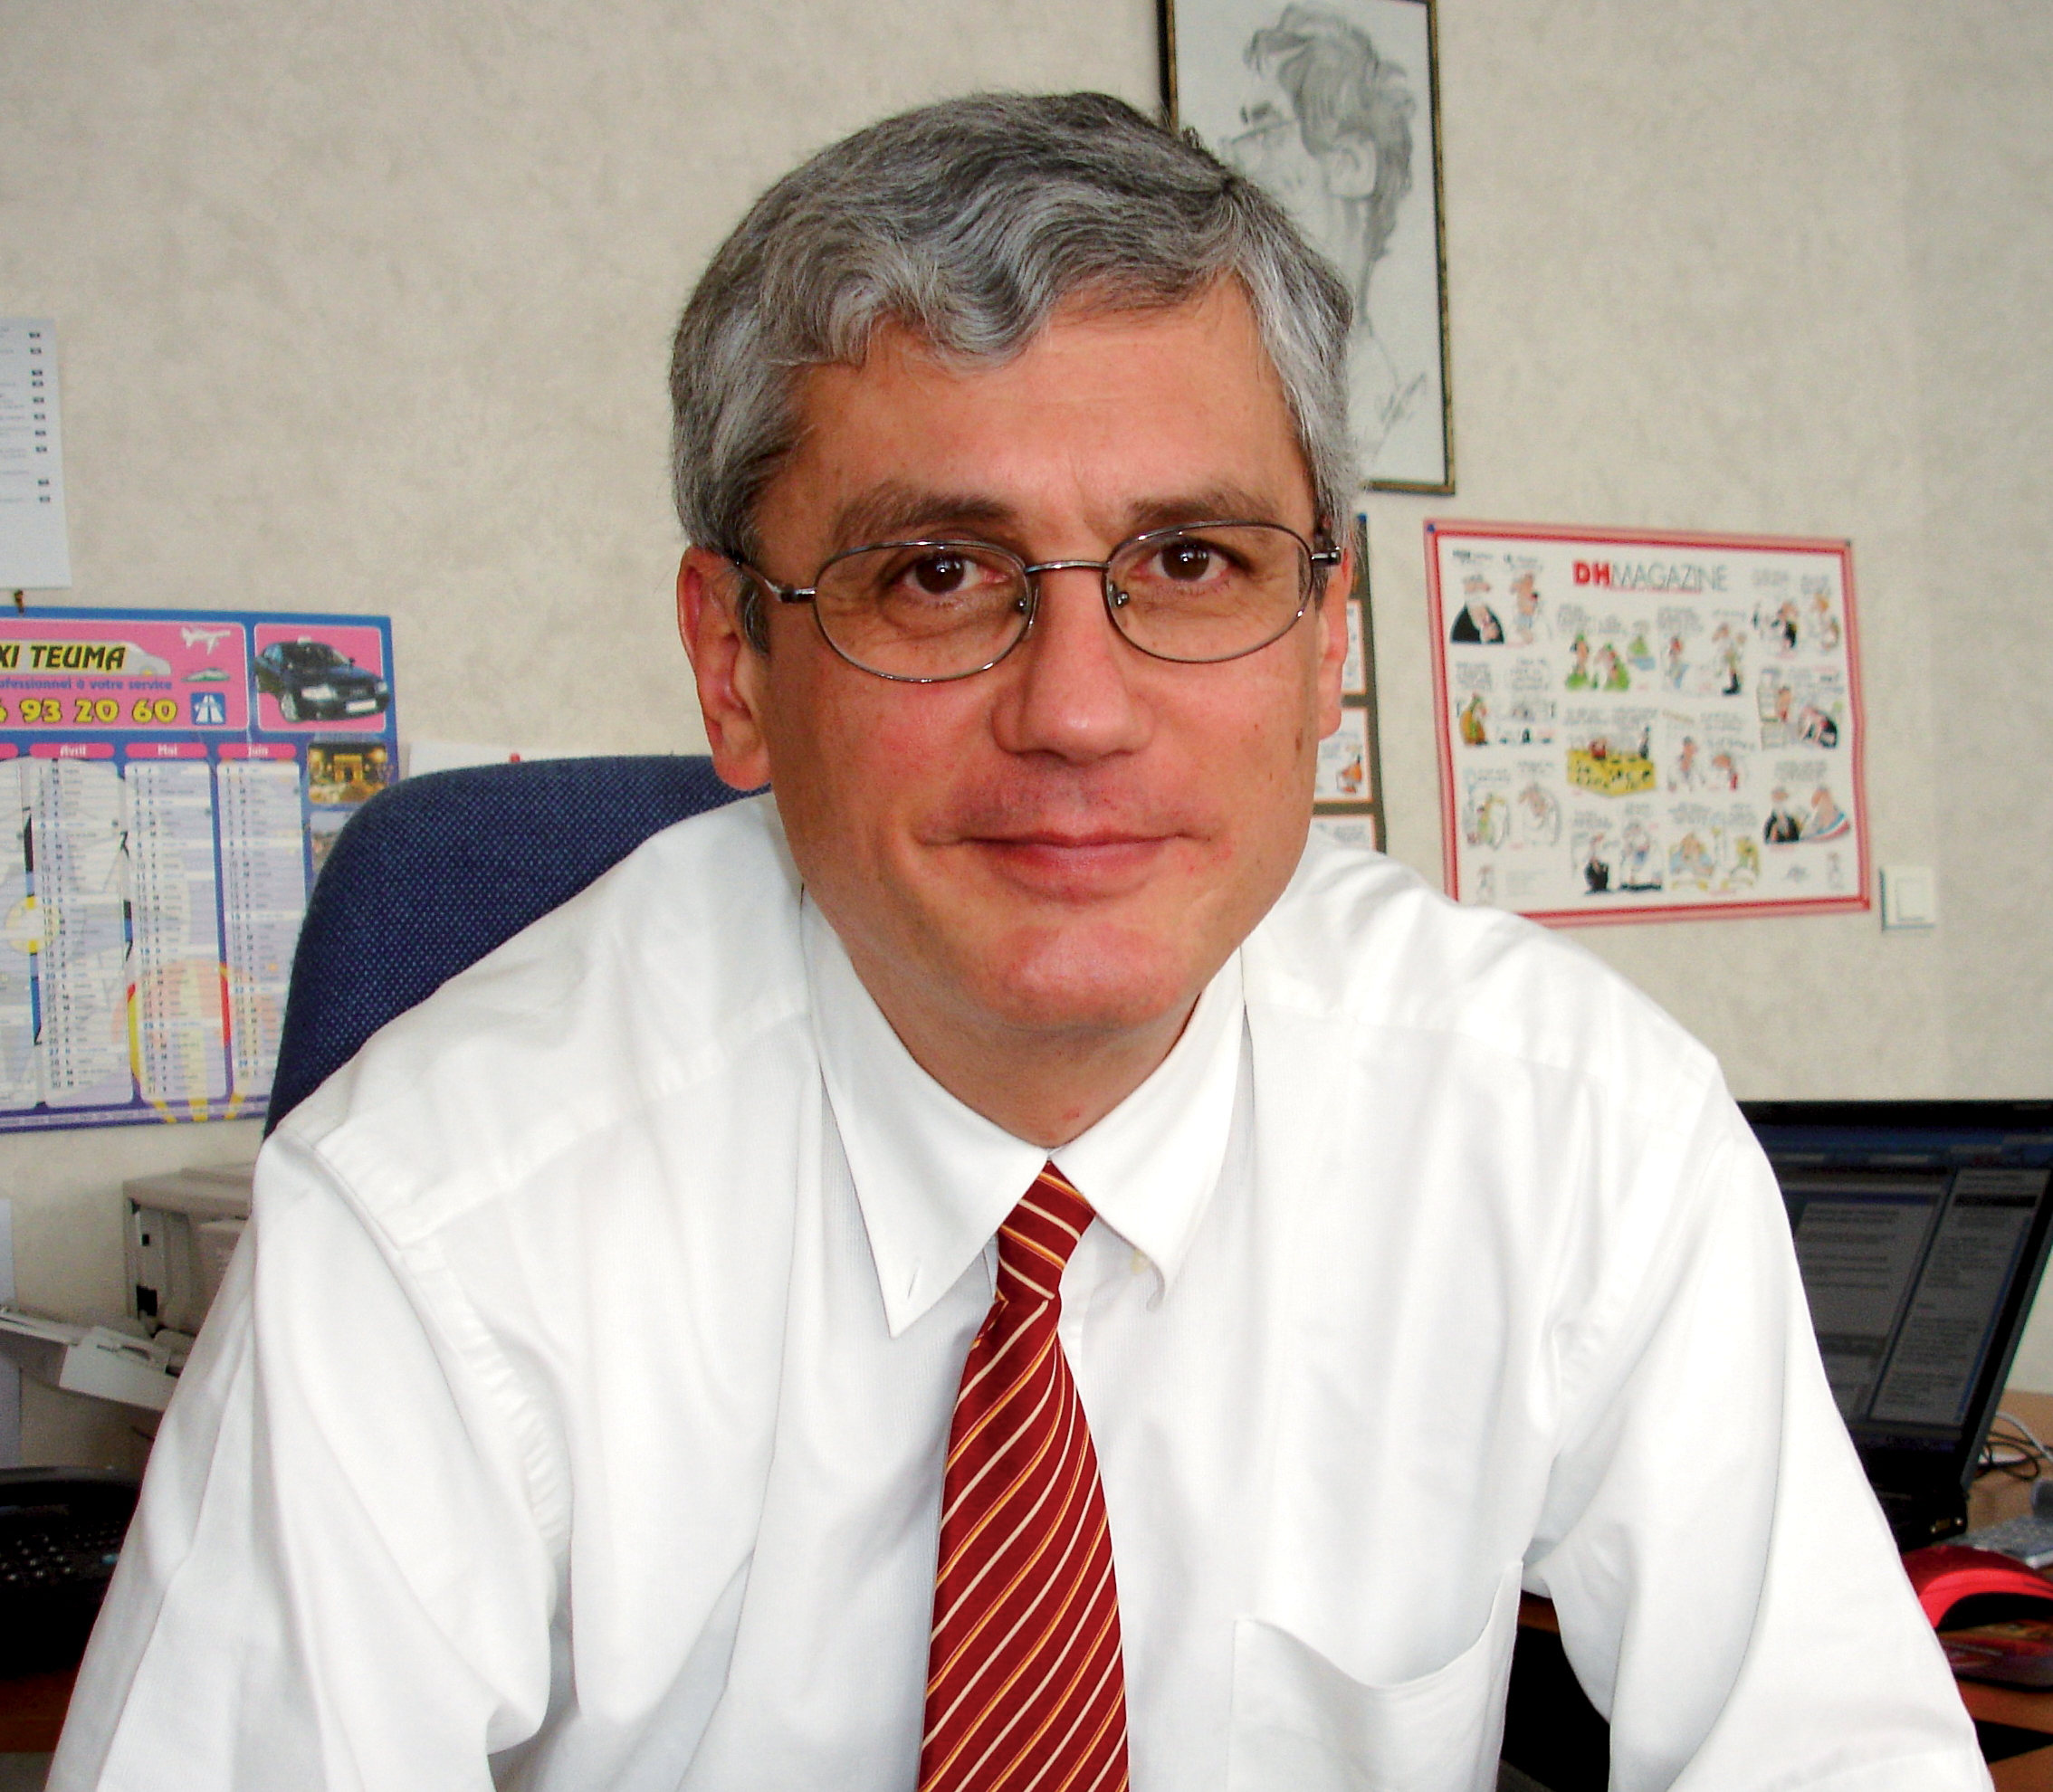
x=1177 y=411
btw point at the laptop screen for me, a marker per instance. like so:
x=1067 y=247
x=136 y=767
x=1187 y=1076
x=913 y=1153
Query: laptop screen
x=1921 y=1230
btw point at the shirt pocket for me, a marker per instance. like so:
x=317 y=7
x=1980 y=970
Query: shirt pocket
x=1300 y=1725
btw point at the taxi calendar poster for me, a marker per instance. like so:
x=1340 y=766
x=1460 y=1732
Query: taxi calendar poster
x=169 y=782
x=1638 y=726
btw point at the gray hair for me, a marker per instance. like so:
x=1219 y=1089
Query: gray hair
x=969 y=222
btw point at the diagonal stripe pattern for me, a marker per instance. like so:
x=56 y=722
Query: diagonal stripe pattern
x=1026 y=1691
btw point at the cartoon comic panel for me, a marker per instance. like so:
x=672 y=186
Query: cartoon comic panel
x=1607 y=651
x=1800 y=706
x=1804 y=808
x=1536 y=811
x=1474 y=690
x=1528 y=717
x=1343 y=762
x=1679 y=630
x=1528 y=622
x=1637 y=863
x=1354 y=667
x=1778 y=618
x=1703 y=751
x=1611 y=752
x=1593 y=849
x=1477 y=623
x=1822 y=630
x=1714 y=848
x=1477 y=587
x=1702 y=655
x=328 y=676
x=1486 y=809
x=1346 y=830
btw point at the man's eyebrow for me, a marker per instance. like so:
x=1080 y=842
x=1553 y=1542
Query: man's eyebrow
x=893 y=512
x=1212 y=503
x=897 y=512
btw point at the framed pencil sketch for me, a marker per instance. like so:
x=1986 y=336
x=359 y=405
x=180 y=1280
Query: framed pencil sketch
x=1332 y=107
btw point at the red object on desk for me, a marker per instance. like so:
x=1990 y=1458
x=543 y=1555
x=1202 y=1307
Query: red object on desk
x=1943 y=1574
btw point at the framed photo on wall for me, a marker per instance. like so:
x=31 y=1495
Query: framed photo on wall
x=1332 y=107
x=1347 y=797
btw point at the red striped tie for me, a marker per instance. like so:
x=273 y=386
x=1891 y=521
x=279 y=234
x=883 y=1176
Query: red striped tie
x=1025 y=1688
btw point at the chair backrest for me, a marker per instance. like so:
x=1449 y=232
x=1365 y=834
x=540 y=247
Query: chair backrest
x=431 y=874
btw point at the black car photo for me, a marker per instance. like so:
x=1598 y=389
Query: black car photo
x=314 y=683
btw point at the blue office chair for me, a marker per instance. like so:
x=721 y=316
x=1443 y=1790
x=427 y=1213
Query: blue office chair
x=431 y=874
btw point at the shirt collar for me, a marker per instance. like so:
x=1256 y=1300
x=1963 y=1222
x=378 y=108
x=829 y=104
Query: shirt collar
x=935 y=1178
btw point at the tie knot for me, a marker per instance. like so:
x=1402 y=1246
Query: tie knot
x=1036 y=1241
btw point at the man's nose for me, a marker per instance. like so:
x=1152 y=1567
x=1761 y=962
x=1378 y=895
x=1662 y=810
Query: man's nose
x=1072 y=692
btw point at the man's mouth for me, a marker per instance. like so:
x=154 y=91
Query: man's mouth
x=1078 y=866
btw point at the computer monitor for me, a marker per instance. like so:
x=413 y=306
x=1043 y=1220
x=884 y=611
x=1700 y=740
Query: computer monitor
x=1921 y=1230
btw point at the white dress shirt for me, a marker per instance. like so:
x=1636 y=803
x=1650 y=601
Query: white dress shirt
x=574 y=1414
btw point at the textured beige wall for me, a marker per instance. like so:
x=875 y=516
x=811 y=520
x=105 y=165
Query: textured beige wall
x=1982 y=281
x=365 y=307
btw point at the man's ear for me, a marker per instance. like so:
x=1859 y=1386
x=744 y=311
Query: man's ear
x=730 y=672
x=1331 y=613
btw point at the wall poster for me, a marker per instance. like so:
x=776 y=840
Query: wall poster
x=1638 y=726
x=169 y=782
x=1332 y=108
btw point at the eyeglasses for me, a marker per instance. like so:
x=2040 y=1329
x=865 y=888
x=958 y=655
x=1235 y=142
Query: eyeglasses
x=925 y=612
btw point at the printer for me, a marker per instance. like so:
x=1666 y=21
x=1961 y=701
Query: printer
x=181 y=1229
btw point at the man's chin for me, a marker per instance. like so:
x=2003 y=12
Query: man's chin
x=1087 y=982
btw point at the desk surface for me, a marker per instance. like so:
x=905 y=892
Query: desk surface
x=32 y=1712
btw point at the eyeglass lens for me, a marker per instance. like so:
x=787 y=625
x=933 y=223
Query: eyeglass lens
x=930 y=610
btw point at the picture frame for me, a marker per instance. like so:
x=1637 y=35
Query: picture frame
x=1639 y=724
x=1347 y=797
x=1332 y=107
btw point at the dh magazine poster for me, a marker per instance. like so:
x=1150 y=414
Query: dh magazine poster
x=169 y=782
x=1636 y=727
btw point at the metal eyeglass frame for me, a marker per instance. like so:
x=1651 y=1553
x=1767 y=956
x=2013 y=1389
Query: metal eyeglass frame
x=1318 y=559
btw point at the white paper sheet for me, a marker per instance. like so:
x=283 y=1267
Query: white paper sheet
x=34 y=549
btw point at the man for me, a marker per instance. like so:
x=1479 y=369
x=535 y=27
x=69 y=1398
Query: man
x=995 y=1267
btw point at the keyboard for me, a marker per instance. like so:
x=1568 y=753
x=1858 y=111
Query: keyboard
x=60 y=1532
x=53 y=1554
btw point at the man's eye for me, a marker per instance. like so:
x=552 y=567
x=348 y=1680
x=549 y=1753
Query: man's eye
x=1186 y=561
x=941 y=575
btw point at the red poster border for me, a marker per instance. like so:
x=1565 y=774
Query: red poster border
x=1437 y=527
